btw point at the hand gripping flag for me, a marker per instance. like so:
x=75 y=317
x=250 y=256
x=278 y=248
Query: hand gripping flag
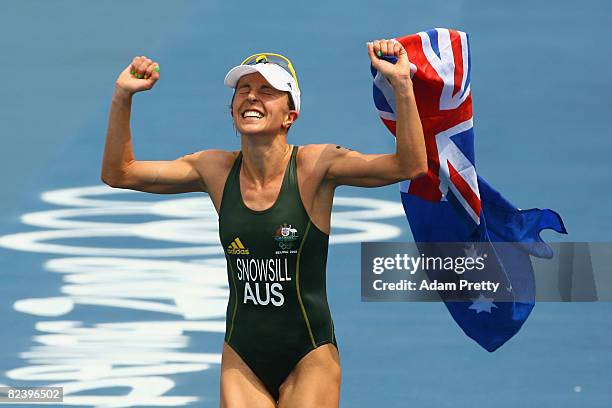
x=451 y=203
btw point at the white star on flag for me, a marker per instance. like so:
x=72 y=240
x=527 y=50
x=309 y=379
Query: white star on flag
x=470 y=251
x=473 y=251
x=482 y=304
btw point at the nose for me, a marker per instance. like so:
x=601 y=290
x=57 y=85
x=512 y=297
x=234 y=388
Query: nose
x=252 y=96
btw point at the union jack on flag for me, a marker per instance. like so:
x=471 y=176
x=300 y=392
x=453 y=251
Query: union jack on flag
x=440 y=61
x=452 y=203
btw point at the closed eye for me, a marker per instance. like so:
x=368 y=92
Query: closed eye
x=267 y=90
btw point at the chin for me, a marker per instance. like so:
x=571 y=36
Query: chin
x=250 y=128
x=253 y=129
x=252 y=132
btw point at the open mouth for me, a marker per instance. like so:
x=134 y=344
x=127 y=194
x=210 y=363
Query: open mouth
x=253 y=114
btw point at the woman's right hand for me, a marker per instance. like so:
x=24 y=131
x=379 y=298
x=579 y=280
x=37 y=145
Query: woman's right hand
x=140 y=75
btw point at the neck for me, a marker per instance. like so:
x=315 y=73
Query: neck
x=263 y=157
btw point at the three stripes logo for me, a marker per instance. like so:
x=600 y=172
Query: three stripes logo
x=237 y=248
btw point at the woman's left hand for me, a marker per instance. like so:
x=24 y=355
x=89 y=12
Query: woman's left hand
x=398 y=73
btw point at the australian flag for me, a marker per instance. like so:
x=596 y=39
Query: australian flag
x=451 y=203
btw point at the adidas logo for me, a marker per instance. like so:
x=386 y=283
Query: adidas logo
x=237 y=248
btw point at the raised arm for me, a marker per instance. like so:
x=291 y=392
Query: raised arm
x=119 y=167
x=345 y=166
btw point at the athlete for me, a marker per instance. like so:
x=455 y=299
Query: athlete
x=274 y=203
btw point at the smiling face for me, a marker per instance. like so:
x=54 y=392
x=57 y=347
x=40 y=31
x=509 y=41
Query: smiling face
x=259 y=108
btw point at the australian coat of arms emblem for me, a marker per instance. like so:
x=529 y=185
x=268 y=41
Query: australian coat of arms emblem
x=286 y=235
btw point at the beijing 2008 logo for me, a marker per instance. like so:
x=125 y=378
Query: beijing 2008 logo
x=286 y=236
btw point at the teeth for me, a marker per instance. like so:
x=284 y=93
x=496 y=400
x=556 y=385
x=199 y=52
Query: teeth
x=252 y=114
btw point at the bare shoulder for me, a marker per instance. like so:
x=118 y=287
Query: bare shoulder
x=213 y=165
x=213 y=156
x=323 y=151
x=316 y=191
x=212 y=160
x=321 y=155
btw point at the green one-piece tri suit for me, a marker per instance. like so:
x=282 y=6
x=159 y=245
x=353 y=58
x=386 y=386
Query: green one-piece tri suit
x=276 y=259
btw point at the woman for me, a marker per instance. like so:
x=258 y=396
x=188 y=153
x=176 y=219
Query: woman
x=274 y=203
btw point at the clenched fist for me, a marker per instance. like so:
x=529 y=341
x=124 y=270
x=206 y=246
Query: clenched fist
x=398 y=73
x=140 y=75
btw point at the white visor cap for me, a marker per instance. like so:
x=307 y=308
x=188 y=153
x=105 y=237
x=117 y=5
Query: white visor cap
x=276 y=76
